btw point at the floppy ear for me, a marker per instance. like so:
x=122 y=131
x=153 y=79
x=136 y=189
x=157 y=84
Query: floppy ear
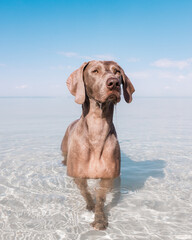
x=75 y=84
x=128 y=88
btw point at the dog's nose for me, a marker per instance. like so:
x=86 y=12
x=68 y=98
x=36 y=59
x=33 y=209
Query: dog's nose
x=113 y=83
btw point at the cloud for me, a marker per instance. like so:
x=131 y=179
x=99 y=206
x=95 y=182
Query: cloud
x=161 y=75
x=73 y=55
x=2 y=65
x=140 y=75
x=22 y=86
x=167 y=63
x=96 y=57
x=167 y=87
x=104 y=57
x=62 y=67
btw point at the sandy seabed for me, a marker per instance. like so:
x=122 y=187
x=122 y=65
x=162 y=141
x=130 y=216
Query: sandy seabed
x=151 y=200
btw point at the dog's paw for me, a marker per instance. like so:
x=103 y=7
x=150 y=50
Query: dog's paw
x=90 y=207
x=64 y=158
x=64 y=162
x=99 y=224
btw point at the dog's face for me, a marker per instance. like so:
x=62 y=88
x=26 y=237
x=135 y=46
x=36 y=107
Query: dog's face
x=101 y=81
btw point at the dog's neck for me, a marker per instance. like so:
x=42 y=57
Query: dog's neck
x=98 y=122
x=98 y=110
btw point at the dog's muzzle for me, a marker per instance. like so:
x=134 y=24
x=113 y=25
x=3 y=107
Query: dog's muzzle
x=113 y=84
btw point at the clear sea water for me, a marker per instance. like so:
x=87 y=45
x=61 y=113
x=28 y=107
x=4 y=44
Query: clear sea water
x=152 y=199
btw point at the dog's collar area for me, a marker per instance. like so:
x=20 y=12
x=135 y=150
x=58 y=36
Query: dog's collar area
x=99 y=104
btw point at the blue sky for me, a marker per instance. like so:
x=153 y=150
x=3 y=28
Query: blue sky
x=42 y=42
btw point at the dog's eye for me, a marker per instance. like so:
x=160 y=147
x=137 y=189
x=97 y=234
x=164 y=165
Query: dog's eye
x=116 y=71
x=95 y=71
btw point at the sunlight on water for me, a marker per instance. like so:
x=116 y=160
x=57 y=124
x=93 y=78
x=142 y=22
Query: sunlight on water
x=151 y=200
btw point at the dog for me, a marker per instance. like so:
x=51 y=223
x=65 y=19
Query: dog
x=90 y=147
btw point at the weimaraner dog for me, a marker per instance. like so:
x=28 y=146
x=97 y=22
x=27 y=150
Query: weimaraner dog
x=90 y=146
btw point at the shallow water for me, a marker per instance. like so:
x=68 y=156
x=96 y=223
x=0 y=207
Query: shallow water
x=151 y=200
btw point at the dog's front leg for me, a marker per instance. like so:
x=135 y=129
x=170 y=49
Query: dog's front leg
x=82 y=185
x=100 y=221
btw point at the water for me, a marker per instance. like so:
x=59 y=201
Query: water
x=151 y=200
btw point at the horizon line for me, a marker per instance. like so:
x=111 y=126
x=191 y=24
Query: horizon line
x=73 y=96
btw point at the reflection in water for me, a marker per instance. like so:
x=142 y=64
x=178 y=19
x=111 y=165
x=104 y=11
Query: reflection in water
x=134 y=175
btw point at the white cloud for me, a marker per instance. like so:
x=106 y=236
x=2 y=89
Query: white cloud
x=161 y=75
x=141 y=75
x=73 y=55
x=167 y=63
x=96 y=57
x=2 y=65
x=175 y=76
x=62 y=67
x=167 y=87
x=85 y=57
x=104 y=57
x=22 y=86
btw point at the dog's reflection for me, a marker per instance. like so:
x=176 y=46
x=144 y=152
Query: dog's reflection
x=133 y=177
x=105 y=185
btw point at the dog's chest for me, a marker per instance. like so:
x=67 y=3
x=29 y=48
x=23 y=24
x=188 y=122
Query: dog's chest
x=98 y=130
x=93 y=153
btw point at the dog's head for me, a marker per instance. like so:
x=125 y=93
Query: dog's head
x=100 y=80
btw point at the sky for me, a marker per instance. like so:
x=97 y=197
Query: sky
x=43 y=41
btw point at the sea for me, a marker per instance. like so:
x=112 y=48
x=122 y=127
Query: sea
x=151 y=200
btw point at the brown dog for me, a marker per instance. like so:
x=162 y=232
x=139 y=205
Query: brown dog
x=90 y=146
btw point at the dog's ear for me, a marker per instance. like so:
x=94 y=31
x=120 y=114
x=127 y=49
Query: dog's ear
x=75 y=84
x=128 y=88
